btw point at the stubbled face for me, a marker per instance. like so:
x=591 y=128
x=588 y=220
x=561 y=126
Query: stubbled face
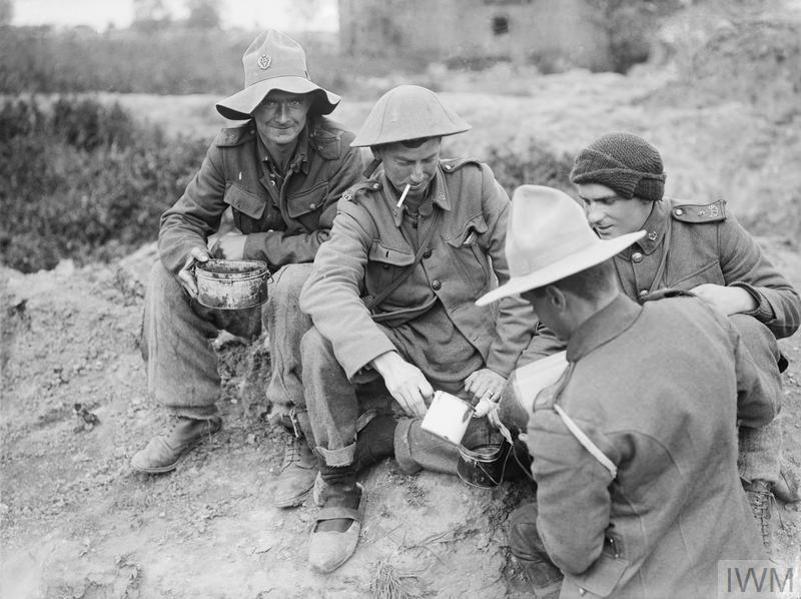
x=610 y=215
x=414 y=166
x=281 y=117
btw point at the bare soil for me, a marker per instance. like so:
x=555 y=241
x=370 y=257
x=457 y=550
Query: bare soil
x=78 y=523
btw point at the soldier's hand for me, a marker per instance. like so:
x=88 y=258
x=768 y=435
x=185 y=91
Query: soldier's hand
x=405 y=382
x=484 y=386
x=186 y=276
x=230 y=246
x=726 y=300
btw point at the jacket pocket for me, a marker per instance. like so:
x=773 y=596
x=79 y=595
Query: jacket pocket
x=384 y=254
x=468 y=233
x=384 y=265
x=708 y=273
x=468 y=256
x=397 y=317
x=306 y=200
x=244 y=201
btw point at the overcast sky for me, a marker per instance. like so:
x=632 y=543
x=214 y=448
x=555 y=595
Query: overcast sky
x=281 y=14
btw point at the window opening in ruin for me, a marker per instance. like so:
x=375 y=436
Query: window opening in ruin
x=500 y=24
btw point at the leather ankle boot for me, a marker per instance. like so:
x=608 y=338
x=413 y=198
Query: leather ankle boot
x=163 y=451
x=297 y=474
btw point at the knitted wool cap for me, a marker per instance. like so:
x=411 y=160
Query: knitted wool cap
x=625 y=163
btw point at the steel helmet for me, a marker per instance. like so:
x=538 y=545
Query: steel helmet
x=408 y=112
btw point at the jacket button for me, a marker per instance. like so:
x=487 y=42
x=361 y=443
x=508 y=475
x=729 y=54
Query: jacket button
x=312 y=206
x=643 y=292
x=427 y=253
x=635 y=257
x=435 y=284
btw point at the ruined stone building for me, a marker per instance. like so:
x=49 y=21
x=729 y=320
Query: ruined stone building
x=475 y=31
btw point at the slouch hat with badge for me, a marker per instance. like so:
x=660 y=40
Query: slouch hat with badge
x=274 y=61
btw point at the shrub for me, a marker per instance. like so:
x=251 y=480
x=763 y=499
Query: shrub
x=537 y=165
x=84 y=181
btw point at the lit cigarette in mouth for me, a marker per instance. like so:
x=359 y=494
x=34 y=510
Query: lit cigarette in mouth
x=403 y=196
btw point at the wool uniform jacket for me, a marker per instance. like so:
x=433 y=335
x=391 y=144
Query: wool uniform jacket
x=652 y=388
x=285 y=223
x=367 y=251
x=690 y=244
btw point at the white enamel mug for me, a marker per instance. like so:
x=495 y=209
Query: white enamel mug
x=447 y=417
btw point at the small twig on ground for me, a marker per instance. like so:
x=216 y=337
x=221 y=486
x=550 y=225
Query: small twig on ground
x=391 y=583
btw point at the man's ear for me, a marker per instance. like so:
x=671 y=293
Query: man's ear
x=556 y=297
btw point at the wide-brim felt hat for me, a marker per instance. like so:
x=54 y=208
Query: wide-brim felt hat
x=548 y=239
x=408 y=112
x=274 y=61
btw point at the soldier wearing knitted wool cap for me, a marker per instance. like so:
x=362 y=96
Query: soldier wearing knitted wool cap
x=697 y=247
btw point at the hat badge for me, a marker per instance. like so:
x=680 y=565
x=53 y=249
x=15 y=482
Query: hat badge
x=264 y=62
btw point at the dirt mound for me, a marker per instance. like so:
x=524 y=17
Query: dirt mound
x=755 y=62
x=78 y=523
x=749 y=54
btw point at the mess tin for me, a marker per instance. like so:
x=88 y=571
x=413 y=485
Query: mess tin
x=483 y=466
x=447 y=417
x=231 y=284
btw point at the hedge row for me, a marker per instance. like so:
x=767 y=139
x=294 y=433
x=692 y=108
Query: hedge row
x=83 y=181
x=172 y=61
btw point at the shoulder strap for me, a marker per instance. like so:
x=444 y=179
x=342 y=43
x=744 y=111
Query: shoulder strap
x=713 y=212
x=585 y=441
x=548 y=397
x=372 y=301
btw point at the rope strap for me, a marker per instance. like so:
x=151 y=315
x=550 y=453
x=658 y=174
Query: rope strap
x=585 y=441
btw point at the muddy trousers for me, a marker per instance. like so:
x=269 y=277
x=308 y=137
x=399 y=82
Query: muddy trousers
x=177 y=332
x=334 y=407
x=760 y=448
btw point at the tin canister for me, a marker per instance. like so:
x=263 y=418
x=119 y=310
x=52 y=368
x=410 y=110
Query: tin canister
x=483 y=466
x=231 y=284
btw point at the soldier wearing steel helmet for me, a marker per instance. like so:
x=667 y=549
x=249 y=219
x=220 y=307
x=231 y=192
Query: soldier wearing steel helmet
x=391 y=297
